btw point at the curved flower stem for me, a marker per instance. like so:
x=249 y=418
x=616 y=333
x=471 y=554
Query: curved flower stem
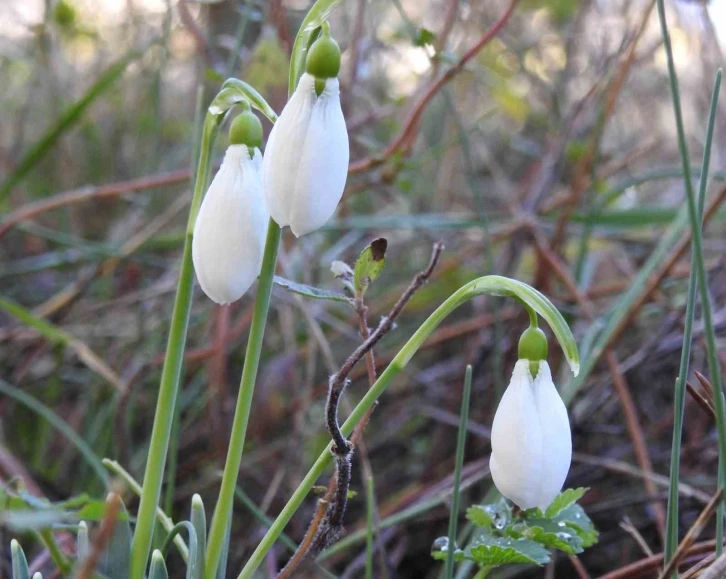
x=223 y=510
x=169 y=386
x=492 y=285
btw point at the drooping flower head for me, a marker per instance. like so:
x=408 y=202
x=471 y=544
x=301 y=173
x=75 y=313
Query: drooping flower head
x=531 y=440
x=231 y=226
x=306 y=159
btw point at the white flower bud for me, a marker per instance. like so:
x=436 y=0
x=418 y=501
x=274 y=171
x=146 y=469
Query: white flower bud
x=531 y=440
x=306 y=159
x=230 y=230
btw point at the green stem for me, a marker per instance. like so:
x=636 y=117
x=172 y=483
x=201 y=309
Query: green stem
x=60 y=560
x=714 y=368
x=671 y=542
x=169 y=387
x=492 y=285
x=460 y=443
x=370 y=511
x=223 y=510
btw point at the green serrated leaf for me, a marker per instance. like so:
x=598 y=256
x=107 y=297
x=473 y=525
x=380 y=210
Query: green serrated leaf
x=309 y=291
x=550 y=534
x=563 y=500
x=490 y=551
x=369 y=265
x=497 y=515
x=575 y=517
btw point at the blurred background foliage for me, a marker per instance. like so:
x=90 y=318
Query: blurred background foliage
x=554 y=145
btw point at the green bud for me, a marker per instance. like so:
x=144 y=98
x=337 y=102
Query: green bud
x=246 y=129
x=323 y=60
x=533 y=347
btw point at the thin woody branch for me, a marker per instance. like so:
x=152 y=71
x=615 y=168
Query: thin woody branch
x=327 y=521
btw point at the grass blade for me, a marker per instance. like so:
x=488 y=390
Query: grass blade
x=370 y=510
x=69 y=118
x=59 y=424
x=671 y=543
x=55 y=334
x=714 y=367
x=460 y=444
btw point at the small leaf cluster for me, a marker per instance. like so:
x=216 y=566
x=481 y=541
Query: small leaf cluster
x=503 y=537
x=355 y=280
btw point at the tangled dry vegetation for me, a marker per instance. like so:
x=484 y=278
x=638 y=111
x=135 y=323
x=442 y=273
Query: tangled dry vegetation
x=535 y=140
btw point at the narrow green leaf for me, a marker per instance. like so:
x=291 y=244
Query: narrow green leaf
x=222 y=568
x=115 y=561
x=166 y=523
x=158 y=567
x=458 y=464
x=59 y=424
x=248 y=93
x=199 y=522
x=53 y=333
x=20 y=563
x=315 y=17
x=369 y=265
x=83 y=545
x=193 y=568
x=309 y=291
x=69 y=117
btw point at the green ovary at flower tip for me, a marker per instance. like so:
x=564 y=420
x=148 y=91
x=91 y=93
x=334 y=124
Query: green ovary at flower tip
x=489 y=285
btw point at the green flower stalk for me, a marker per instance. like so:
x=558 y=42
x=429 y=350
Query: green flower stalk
x=233 y=92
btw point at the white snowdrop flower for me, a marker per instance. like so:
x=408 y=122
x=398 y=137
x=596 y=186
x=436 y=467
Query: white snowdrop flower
x=231 y=226
x=306 y=158
x=531 y=440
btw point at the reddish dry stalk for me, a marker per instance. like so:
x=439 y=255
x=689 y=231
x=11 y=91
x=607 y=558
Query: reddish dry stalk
x=110 y=190
x=702 y=400
x=579 y=567
x=645 y=567
x=410 y=125
x=113 y=506
x=692 y=534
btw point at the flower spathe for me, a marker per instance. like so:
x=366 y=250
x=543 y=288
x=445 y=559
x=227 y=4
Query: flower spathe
x=531 y=440
x=306 y=159
x=230 y=229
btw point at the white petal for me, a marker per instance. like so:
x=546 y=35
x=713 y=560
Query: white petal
x=556 y=436
x=284 y=147
x=323 y=164
x=230 y=230
x=516 y=459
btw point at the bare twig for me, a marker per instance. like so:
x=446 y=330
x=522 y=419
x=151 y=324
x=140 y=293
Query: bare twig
x=327 y=521
x=107 y=191
x=692 y=534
